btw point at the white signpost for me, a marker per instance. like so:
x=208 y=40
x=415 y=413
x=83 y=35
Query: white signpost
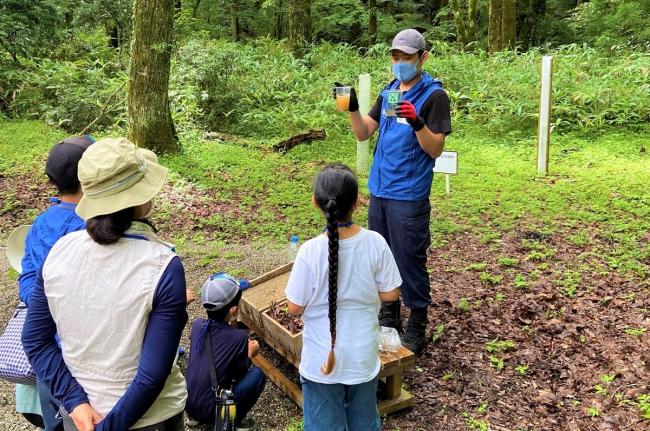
x=364 y=107
x=447 y=163
x=544 y=129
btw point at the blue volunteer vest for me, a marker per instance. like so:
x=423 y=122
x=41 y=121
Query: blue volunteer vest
x=401 y=170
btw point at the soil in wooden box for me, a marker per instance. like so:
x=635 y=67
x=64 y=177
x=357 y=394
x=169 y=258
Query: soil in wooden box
x=285 y=340
x=280 y=313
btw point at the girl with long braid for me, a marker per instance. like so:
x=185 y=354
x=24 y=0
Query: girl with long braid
x=337 y=283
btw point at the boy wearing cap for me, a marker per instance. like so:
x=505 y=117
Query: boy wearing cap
x=231 y=354
x=58 y=220
x=401 y=174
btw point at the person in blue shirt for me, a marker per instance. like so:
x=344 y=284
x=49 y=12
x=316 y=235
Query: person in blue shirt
x=58 y=220
x=115 y=294
x=401 y=174
x=230 y=357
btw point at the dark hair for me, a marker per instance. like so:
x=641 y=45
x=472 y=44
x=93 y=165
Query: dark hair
x=108 y=229
x=221 y=313
x=62 y=163
x=336 y=190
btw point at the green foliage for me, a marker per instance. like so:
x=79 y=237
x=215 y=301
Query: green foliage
x=520 y=281
x=28 y=27
x=437 y=333
x=24 y=146
x=593 y=412
x=507 y=261
x=635 y=332
x=521 y=369
x=643 y=404
x=464 y=305
x=614 y=24
x=497 y=362
x=115 y=16
x=259 y=89
x=570 y=282
x=499 y=346
x=490 y=279
x=67 y=93
x=475 y=424
x=295 y=425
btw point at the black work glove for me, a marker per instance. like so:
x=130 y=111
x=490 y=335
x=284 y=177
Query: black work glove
x=405 y=109
x=354 y=102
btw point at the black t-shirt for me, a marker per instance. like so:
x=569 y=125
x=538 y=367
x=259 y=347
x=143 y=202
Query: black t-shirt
x=230 y=358
x=435 y=111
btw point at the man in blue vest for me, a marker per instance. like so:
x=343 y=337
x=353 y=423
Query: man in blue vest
x=401 y=174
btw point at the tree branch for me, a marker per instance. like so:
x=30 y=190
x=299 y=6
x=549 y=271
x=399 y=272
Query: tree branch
x=104 y=109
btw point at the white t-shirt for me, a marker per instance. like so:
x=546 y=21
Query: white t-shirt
x=366 y=267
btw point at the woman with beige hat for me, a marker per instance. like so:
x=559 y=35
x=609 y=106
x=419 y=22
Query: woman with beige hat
x=115 y=294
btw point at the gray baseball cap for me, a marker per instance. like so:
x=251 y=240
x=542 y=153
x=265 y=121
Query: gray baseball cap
x=218 y=290
x=409 y=41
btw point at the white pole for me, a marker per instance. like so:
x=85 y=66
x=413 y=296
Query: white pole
x=364 y=107
x=544 y=129
x=447 y=183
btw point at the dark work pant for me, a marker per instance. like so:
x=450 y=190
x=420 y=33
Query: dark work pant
x=49 y=408
x=405 y=226
x=248 y=390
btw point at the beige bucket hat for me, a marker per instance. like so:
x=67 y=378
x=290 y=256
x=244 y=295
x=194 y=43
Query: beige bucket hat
x=115 y=174
x=16 y=247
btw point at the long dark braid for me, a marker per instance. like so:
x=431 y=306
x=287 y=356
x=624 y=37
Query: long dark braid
x=332 y=217
x=336 y=190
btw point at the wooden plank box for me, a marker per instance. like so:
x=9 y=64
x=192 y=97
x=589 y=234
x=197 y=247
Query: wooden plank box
x=264 y=290
x=275 y=331
x=253 y=308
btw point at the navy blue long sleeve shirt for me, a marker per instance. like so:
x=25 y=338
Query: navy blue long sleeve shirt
x=162 y=335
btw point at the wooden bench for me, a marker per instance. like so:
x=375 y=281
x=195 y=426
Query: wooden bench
x=256 y=301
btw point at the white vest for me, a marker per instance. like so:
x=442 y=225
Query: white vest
x=100 y=297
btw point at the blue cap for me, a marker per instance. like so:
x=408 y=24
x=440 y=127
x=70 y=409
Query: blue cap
x=294 y=238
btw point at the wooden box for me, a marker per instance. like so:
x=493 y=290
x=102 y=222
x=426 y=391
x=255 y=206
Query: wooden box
x=277 y=334
x=264 y=290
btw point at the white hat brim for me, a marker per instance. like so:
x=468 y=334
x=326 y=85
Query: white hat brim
x=16 y=247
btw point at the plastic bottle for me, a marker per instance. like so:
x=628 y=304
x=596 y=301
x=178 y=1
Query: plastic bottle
x=292 y=250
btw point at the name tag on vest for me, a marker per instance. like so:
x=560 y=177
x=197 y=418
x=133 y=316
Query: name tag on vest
x=402 y=120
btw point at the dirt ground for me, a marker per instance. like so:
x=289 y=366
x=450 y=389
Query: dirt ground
x=508 y=348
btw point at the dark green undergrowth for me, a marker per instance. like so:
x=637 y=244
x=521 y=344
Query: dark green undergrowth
x=258 y=89
x=595 y=197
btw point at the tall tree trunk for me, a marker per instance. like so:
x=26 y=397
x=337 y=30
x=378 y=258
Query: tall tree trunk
x=150 y=120
x=195 y=8
x=111 y=34
x=434 y=7
x=280 y=20
x=494 y=25
x=234 y=20
x=472 y=19
x=372 y=25
x=299 y=25
x=69 y=15
x=508 y=20
x=529 y=12
x=459 y=19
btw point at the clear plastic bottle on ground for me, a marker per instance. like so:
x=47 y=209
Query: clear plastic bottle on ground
x=292 y=250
